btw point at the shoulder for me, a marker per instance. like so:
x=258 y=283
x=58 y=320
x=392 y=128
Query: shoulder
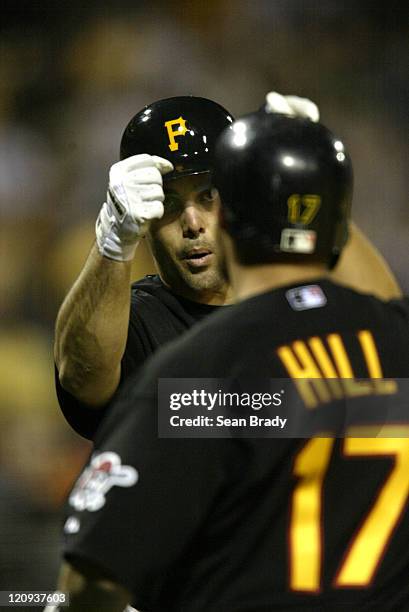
x=149 y=285
x=205 y=348
x=152 y=300
x=394 y=311
x=401 y=307
x=151 y=290
x=350 y=307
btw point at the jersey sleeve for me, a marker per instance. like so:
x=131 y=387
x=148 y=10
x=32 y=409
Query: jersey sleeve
x=84 y=419
x=140 y=501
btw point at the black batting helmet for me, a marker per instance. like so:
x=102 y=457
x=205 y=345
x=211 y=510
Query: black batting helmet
x=286 y=189
x=183 y=130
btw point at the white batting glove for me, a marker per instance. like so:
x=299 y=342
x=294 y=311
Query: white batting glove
x=135 y=197
x=292 y=105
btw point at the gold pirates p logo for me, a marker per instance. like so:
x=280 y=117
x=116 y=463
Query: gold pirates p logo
x=174 y=133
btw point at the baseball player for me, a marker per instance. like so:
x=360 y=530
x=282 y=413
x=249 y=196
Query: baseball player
x=256 y=525
x=161 y=188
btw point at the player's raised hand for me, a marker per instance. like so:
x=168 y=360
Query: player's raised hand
x=292 y=105
x=135 y=197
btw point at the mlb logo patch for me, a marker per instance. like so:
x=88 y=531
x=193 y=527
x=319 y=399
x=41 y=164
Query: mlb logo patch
x=298 y=241
x=304 y=298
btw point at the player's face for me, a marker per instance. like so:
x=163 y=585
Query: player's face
x=184 y=242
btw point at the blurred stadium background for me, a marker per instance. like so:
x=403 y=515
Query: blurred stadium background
x=70 y=79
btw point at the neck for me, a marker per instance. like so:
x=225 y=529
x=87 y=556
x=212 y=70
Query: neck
x=221 y=296
x=248 y=281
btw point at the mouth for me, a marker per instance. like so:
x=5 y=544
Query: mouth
x=198 y=257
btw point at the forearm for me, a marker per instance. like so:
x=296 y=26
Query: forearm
x=364 y=269
x=91 y=329
x=91 y=592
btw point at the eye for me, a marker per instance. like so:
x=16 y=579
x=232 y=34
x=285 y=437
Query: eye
x=208 y=196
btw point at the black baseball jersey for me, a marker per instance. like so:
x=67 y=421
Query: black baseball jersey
x=157 y=316
x=255 y=525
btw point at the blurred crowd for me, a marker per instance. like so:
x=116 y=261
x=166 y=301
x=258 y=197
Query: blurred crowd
x=70 y=79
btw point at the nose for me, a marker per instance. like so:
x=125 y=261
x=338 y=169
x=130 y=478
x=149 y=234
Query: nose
x=192 y=221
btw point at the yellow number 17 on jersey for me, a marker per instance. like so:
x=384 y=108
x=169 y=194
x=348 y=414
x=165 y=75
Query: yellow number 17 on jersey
x=369 y=544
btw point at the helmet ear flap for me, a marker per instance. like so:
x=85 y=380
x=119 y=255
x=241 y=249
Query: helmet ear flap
x=334 y=260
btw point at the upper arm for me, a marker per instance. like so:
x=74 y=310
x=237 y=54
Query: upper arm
x=89 y=589
x=363 y=268
x=85 y=407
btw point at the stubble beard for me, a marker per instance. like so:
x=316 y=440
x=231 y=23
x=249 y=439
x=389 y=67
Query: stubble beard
x=207 y=280
x=197 y=285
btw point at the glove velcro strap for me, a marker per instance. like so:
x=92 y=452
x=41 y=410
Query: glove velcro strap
x=117 y=204
x=108 y=239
